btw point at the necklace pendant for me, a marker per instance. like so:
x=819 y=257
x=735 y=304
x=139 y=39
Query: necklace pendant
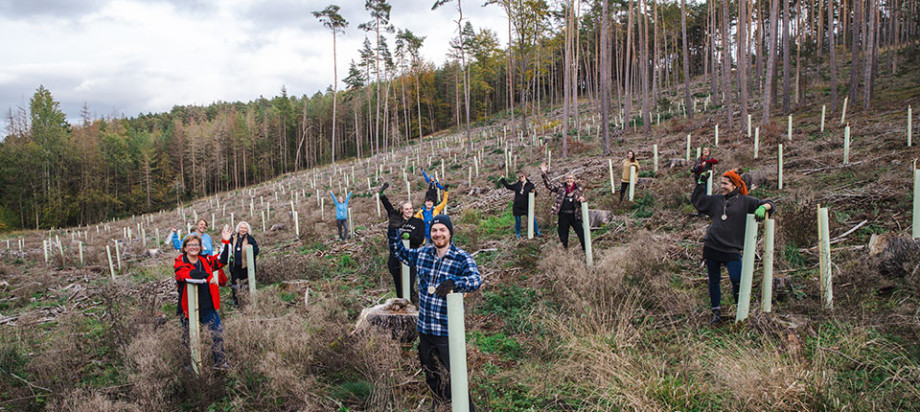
x=724 y=217
x=431 y=290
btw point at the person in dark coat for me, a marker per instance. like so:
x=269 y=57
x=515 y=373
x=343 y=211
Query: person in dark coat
x=519 y=207
x=724 y=240
x=567 y=206
x=403 y=222
x=239 y=267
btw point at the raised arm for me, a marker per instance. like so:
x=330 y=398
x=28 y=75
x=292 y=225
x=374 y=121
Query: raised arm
x=347 y=198
x=440 y=207
x=505 y=183
x=333 y=198
x=385 y=201
x=700 y=200
x=398 y=250
x=469 y=279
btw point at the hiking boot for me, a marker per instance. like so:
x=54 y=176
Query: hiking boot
x=716 y=316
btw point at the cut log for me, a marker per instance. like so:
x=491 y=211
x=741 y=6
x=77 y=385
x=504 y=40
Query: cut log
x=277 y=227
x=397 y=318
x=673 y=163
x=900 y=258
x=599 y=218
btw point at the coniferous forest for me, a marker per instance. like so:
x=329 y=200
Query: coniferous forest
x=749 y=54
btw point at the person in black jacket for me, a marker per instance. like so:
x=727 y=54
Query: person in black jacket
x=239 y=269
x=402 y=223
x=519 y=208
x=724 y=240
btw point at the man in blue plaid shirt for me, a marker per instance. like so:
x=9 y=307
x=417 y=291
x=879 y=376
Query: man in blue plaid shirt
x=442 y=268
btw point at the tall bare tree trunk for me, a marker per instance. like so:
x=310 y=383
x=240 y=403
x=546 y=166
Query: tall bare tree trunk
x=854 y=51
x=605 y=75
x=683 y=29
x=646 y=113
x=566 y=80
x=771 y=62
x=742 y=58
x=727 y=65
x=870 y=54
x=629 y=60
x=786 y=57
x=832 y=47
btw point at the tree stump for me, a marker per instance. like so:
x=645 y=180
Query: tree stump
x=900 y=258
x=599 y=218
x=396 y=318
x=278 y=226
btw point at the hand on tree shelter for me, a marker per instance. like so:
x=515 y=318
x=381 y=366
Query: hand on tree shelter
x=761 y=212
x=445 y=288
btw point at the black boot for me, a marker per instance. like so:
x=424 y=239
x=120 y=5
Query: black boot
x=716 y=316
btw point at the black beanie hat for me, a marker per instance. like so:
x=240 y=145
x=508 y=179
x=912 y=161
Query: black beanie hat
x=444 y=220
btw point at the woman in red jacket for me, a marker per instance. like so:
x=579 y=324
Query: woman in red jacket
x=193 y=267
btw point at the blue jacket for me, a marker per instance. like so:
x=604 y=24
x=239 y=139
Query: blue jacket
x=430 y=179
x=456 y=265
x=341 y=208
x=207 y=249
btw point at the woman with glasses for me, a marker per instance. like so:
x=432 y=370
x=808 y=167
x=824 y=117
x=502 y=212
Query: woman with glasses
x=193 y=266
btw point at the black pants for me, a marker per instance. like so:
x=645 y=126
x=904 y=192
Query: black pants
x=429 y=347
x=395 y=268
x=624 y=186
x=342 y=225
x=567 y=220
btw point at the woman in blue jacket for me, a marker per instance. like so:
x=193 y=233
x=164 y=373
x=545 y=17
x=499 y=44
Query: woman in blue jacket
x=341 y=215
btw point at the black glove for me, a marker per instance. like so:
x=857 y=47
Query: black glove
x=384 y=187
x=446 y=187
x=198 y=274
x=444 y=288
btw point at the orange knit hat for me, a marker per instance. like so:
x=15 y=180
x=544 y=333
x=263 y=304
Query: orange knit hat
x=737 y=181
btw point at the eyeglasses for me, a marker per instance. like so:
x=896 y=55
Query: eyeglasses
x=192 y=245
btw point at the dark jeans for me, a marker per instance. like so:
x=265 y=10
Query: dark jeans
x=395 y=268
x=429 y=347
x=714 y=267
x=211 y=319
x=517 y=225
x=342 y=225
x=567 y=220
x=624 y=187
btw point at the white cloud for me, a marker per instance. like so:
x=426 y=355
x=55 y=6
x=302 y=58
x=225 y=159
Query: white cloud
x=135 y=56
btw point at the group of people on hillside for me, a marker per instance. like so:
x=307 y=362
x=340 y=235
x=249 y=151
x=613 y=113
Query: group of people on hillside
x=200 y=263
x=437 y=267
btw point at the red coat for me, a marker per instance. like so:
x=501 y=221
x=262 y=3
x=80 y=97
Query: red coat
x=210 y=263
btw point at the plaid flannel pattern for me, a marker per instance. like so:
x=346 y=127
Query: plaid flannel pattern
x=456 y=265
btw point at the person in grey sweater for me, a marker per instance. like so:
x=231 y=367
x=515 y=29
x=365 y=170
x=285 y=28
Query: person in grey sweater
x=724 y=240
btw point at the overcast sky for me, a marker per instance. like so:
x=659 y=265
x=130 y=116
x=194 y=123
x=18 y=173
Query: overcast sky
x=127 y=57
